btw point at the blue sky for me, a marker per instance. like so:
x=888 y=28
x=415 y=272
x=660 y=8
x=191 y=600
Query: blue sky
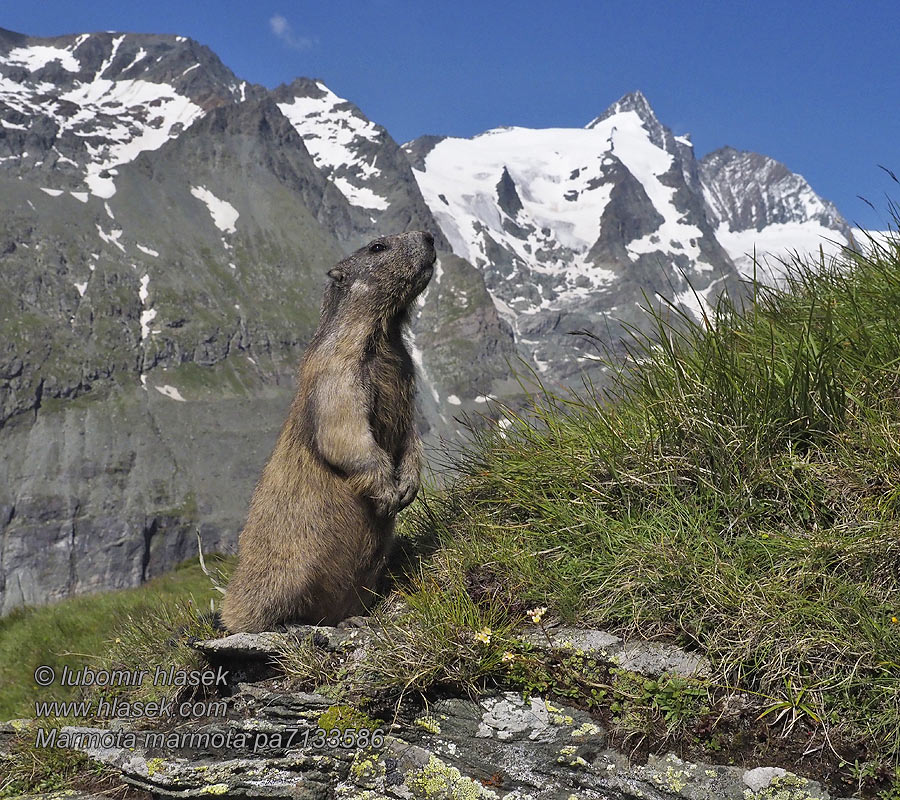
x=814 y=84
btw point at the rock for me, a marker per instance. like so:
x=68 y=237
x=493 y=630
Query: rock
x=270 y=644
x=595 y=642
x=656 y=658
x=63 y=794
x=644 y=657
x=267 y=740
x=244 y=645
x=500 y=746
x=774 y=783
x=759 y=778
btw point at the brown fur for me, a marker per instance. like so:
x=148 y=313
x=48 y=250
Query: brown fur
x=348 y=457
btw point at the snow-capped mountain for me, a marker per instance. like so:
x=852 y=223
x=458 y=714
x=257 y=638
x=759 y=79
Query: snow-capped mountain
x=758 y=205
x=573 y=226
x=77 y=107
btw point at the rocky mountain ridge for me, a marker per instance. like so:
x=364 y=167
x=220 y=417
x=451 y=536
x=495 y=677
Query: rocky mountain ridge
x=164 y=235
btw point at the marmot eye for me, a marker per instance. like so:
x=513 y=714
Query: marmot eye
x=378 y=247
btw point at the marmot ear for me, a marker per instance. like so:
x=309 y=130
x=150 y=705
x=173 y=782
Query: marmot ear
x=337 y=275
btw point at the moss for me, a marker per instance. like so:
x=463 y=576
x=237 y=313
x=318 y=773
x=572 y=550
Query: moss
x=439 y=781
x=343 y=717
x=215 y=788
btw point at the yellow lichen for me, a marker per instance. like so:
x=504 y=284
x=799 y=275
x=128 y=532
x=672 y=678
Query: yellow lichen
x=154 y=765
x=783 y=787
x=439 y=781
x=586 y=729
x=429 y=723
x=366 y=767
x=567 y=755
x=215 y=788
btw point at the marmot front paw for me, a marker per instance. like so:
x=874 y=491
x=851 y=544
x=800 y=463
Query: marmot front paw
x=386 y=501
x=407 y=491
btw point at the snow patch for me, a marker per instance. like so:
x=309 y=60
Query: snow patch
x=223 y=214
x=143 y=292
x=146 y=318
x=148 y=250
x=81 y=287
x=38 y=56
x=360 y=195
x=453 y=400
x=148 y=314
x=131 y=116
x=332 y=133
x=170 y=391
x=112 y=237
x=775 y=244
x=51 y=192
x=416 y=353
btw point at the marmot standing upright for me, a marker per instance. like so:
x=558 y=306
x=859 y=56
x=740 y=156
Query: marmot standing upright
x=348 y=456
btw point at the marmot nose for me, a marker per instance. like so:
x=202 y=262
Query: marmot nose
x=429 y=239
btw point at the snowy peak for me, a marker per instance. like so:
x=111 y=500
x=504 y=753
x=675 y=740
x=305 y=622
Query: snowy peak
x=358 y=157
x=751 y=191
x=571 y=227
x=343 y=143
x=763 y=212
x=636 y=102
x=65 y=61
x=76 y=107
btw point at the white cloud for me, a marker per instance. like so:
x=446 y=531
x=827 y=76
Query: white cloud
x=285 y=31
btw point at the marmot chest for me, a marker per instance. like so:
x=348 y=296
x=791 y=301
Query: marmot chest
x=388 y=376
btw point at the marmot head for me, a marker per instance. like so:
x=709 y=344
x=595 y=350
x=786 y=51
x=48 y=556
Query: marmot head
x=384 y=277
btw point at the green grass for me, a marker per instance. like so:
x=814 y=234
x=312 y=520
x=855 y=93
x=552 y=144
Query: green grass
x=736 y=489
x=82 y=631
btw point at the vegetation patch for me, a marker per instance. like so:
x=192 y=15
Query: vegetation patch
x=28 y=769
x=125 y=629
x=735 y=489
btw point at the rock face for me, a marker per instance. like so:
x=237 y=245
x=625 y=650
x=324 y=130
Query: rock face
x=754 y=201
x=165 y=228
x=266 y=740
